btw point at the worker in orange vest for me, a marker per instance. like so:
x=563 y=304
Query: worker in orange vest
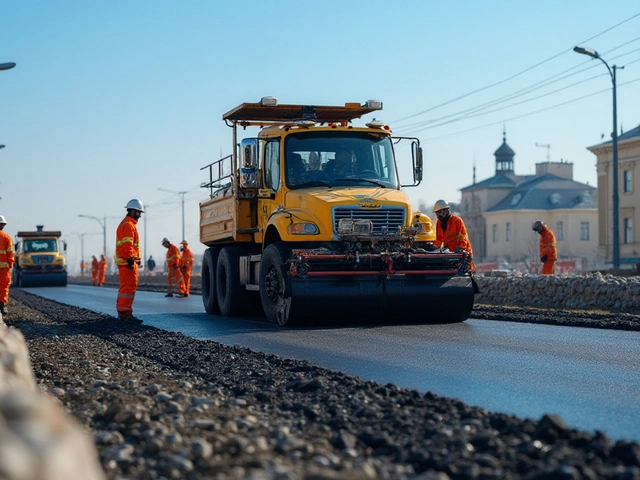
x=548 y=249
x=102 y=273
x=95 y=269
x=451 y=233
x=7 y=258
x=187 y=266
x=82 y=267
x=128 y=261
x=173 y=269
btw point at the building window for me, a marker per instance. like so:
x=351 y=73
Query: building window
x=584 y=230
x=628 y=230
x=507 y=232
x=559 y=231
x=495 y=233
x=627 y=181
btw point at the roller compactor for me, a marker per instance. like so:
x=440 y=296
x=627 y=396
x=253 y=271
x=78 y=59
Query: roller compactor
x=309 y=219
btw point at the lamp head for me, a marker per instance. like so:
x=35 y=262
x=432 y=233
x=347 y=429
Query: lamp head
x=586 y=51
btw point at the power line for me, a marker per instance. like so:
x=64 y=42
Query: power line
x=522 y=92
x=513 y=76
x=473 y=111
x=463 y=132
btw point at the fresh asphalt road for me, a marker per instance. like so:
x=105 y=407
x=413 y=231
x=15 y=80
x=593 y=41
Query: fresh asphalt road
x=591 y=377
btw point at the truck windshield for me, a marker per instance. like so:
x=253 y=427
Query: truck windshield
x=335 y=159
x=40 y=245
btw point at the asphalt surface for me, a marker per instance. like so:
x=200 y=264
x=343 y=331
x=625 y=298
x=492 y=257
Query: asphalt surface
x=588 y=376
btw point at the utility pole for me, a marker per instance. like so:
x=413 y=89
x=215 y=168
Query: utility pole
x=182 y=194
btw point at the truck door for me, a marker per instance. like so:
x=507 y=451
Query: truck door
x=272 y=180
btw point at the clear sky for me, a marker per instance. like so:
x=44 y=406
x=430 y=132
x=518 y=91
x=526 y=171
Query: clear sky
x=115 y=100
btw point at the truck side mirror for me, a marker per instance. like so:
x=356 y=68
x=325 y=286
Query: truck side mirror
x=248 y=168
x=418 y=168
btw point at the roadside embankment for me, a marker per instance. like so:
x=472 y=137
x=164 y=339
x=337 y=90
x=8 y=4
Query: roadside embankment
x=581 y=292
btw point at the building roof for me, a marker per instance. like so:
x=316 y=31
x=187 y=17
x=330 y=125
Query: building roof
x=504 y=149
x=548 y=192
x=629 y=134
x=501 y=180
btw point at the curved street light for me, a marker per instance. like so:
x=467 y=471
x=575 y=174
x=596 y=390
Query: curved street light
x=616 y=205
x=7 y=65
x=182 y=194
x=103 y=224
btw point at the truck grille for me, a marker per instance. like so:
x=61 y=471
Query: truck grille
x=42 y=259
x=386 y=220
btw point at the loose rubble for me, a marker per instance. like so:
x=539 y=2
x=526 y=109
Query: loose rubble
x=163 y=405
x=594 y=291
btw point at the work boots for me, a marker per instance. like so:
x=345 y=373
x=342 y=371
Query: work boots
x=3 y=309
x=169 y=294
x=130 y=319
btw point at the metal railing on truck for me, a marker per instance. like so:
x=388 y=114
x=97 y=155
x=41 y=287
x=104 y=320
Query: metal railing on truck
x=215 y=179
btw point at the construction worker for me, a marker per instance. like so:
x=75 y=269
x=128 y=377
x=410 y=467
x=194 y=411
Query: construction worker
x=102 y=271
x=128 y=260
x=95 y=269
x=548 y=250
x=451 y=232
x=7 y=257
x=187 y=266
x=82 y=267
x=173 y=269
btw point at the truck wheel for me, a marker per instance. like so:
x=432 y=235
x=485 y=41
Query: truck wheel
x=232 y=297
x=209 y=297
x=273 y=284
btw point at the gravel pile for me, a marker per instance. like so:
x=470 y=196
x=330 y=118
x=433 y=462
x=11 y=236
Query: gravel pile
x=164 y=406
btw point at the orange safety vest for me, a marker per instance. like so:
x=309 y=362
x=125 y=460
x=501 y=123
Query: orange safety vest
x=454 y=236
x=187 y=258
x=7 y=256
x=173 y=256
x=127 y=241
x=548 y=244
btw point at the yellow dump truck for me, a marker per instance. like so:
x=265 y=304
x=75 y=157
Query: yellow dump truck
x=309 y=219
x=40 y=259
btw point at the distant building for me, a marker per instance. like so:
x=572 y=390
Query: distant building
x=628 y=197
x=500 y=210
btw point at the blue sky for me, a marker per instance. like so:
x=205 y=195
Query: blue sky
x=114 y=100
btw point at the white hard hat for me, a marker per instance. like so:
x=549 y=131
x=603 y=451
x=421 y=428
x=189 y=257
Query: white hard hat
x=165 y=240
x=440 y=204
x=135 y=204
x=2 y=220
x=184 y=242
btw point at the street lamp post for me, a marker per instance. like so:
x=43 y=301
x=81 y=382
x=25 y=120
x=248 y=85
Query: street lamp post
x=182 y=194
x=103 y=224
x=7 y=65
x=81 y=237
x=614 y=136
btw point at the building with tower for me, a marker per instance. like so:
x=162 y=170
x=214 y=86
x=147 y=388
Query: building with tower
x=499 y=211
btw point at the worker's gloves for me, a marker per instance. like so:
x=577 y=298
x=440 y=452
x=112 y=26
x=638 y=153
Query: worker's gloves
x=130 y=262
x=543 y=259
x=459 y=250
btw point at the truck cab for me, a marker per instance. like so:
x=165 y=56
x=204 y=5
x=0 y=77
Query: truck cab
x=40 y=259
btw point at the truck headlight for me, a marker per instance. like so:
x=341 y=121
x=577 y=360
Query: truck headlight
x=302 y=229
x=349 y=226
x=25 y=261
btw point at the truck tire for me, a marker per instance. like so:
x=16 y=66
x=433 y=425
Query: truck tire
x=209 y=296
x=232 y=297
x=273 y=284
